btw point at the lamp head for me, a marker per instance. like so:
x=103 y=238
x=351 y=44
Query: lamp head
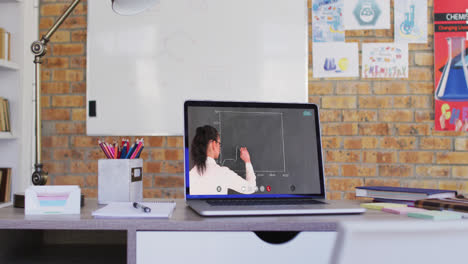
x=131 y=7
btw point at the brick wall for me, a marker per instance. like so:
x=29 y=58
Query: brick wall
x=374 y=131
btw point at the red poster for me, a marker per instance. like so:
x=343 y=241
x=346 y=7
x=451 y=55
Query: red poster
x=451 y=64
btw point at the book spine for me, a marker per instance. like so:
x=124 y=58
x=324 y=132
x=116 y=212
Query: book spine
x=405 y=196
x=2 y=115
x=7 y=115
x=8 y=46
x=7 y=181
x=2 y=44
x=441 y=205
x=3 y=184
x=8 y=187
x=5 y=45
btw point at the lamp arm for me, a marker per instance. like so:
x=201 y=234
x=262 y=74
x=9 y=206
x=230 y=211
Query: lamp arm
x=39 y=49
x=60 y=21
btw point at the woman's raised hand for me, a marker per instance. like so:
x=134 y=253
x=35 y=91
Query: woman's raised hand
x=244 y=154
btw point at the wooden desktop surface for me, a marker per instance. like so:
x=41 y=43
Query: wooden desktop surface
x=184 y=219
x=41 y=232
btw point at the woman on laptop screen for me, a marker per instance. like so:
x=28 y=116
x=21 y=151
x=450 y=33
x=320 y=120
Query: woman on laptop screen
x=207 y=177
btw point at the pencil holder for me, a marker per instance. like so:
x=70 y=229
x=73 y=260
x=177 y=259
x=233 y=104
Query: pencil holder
x=120 y=180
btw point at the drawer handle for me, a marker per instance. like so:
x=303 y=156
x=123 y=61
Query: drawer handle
x=276 y=237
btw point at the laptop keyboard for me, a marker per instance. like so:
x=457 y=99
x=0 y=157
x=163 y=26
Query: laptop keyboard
x=261 y=202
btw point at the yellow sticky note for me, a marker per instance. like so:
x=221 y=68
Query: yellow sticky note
x=379 y=206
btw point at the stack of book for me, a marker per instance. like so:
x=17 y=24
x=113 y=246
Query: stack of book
x=4 y=115
x=5 y=184
x=5 y=44
x=402 y=195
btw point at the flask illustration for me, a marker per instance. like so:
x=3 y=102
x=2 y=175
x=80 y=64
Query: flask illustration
x=408 y=24
x=453 y=85
x=329 y=64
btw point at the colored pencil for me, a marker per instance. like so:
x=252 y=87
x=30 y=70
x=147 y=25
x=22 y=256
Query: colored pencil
x=137 y=149
x=114 y=151
x=103 y=149
x=130 y=151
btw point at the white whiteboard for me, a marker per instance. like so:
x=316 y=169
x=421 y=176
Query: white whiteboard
x=140 y=69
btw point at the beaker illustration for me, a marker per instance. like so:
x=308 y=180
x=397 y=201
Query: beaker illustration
x=453 y=85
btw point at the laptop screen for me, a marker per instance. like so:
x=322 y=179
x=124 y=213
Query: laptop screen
x=254 y=150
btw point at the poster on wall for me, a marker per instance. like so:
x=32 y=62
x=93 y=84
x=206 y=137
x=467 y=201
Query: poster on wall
x=410 y=21
x=335 y=60
x=384 y=60
x=327 y=21
x=450 y=65
x=367 y=14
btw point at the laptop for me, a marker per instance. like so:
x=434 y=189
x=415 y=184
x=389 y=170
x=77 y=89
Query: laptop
x=285 y=175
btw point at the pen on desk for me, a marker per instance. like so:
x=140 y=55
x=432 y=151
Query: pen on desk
x=144 y=208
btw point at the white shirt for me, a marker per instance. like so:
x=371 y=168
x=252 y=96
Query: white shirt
x=217 y=180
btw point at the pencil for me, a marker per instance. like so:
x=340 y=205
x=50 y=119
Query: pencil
x=101 y=144
x=110 y=149
x=115 y=150
x=130 y=151
x=137 y=149
x=124 y=151
x=139 y=152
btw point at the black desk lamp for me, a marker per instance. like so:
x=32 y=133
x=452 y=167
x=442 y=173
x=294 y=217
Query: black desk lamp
x=39 y=49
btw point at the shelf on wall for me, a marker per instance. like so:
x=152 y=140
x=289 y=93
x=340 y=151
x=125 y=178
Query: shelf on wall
x=8 y=65
x=6 y=204
x=11 y=1
x=6 y=135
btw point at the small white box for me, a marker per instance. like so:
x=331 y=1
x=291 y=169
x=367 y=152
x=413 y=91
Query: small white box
x=53 y=199
x=120 y=180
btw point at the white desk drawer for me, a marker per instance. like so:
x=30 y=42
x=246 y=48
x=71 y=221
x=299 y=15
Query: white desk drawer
x=231 y=247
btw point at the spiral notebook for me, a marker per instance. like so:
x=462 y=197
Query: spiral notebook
x=126 y=210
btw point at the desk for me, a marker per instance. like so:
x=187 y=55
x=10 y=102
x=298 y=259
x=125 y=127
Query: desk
x=83 y=239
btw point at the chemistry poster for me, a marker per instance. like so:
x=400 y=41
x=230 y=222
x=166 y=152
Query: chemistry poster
x=410 y=21
x=327 y=21
x=450 y=65
x=367 y=14
x=335 y=60
x=384 y=60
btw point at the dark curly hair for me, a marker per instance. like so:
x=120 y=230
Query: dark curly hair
x=203 y=135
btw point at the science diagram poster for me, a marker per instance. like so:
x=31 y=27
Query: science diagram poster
x=384 y=60
x=367 y=14
x=450 y=65
x=327 y=21
x=410 y=21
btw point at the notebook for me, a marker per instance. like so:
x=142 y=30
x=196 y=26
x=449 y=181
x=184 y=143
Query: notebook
x=127 y=210
x=285 y=173
x=436 y=215
x=402 y=210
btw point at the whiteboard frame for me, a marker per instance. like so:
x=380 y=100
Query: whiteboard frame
x=115 y=124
